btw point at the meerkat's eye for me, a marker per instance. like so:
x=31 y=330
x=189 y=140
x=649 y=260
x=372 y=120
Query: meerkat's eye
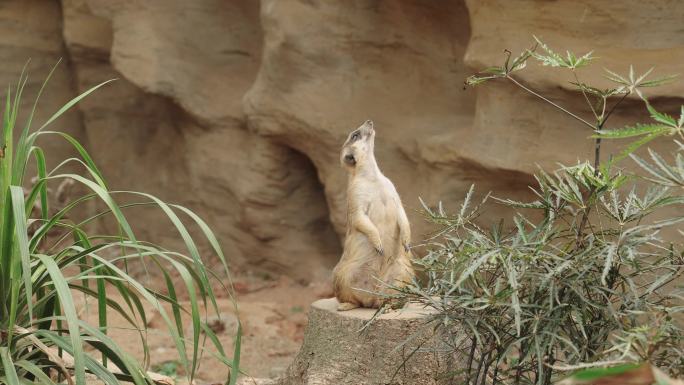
x=355 y=136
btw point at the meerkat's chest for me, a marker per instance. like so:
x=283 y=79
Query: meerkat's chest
x=377 y=200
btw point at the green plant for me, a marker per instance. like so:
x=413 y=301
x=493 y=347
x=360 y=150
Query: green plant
x=592 y=282
x=167 y=368
x=634 y=374
x=41 y=272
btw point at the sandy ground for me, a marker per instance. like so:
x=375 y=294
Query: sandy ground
x=273 y=313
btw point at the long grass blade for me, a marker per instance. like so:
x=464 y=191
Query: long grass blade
x=105 y=197
x=72 y=103
x=67 y=304
x=22 y=243
x=235 y=371
x=93 y=366
x=10 y=370
x=35 y=371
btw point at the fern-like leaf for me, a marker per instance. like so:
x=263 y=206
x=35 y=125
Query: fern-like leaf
x=632 y=131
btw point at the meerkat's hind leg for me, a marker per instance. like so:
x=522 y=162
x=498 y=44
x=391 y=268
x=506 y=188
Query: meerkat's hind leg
x=344 y=306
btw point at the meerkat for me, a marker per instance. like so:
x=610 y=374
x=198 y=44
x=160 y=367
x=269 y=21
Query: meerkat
x=377 y=243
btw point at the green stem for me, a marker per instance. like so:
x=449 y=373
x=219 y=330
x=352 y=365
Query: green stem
x=602 y=122
x=597 y=160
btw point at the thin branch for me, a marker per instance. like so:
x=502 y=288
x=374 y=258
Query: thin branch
x=551 y=102
x=603 y=108
x=567 y=368
x=593 y=111
x=604 y=120
x=597 y=161
x=592 y=190
x=597 y=155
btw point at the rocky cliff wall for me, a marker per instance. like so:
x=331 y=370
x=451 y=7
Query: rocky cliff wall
x=238 y=108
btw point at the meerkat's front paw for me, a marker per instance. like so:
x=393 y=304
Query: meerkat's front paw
x=405 y=240
x=380 y=250
x=344 y=306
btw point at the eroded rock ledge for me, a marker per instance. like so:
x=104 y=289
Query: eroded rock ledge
x=241 y=106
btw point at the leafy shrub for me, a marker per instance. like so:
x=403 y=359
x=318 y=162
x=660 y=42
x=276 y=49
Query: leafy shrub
x=40 y=273
x=591 y=283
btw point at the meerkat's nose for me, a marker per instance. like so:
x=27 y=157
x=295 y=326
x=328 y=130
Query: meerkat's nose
x=368 y=123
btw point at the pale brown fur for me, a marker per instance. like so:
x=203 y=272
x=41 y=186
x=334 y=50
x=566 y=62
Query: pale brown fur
x=376 y=247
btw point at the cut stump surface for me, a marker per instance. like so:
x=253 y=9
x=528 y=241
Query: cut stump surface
x=336 y=351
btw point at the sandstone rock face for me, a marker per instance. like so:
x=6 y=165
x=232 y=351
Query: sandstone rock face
x=335 y=352
x=357 y=61
x=238 y=108
x=542 y=135
x=32 y=35
x=178 y=110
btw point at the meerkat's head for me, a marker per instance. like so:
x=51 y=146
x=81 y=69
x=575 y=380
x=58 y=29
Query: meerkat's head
x=359 y=145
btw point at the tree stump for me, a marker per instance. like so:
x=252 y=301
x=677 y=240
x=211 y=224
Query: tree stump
x=335 y=351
